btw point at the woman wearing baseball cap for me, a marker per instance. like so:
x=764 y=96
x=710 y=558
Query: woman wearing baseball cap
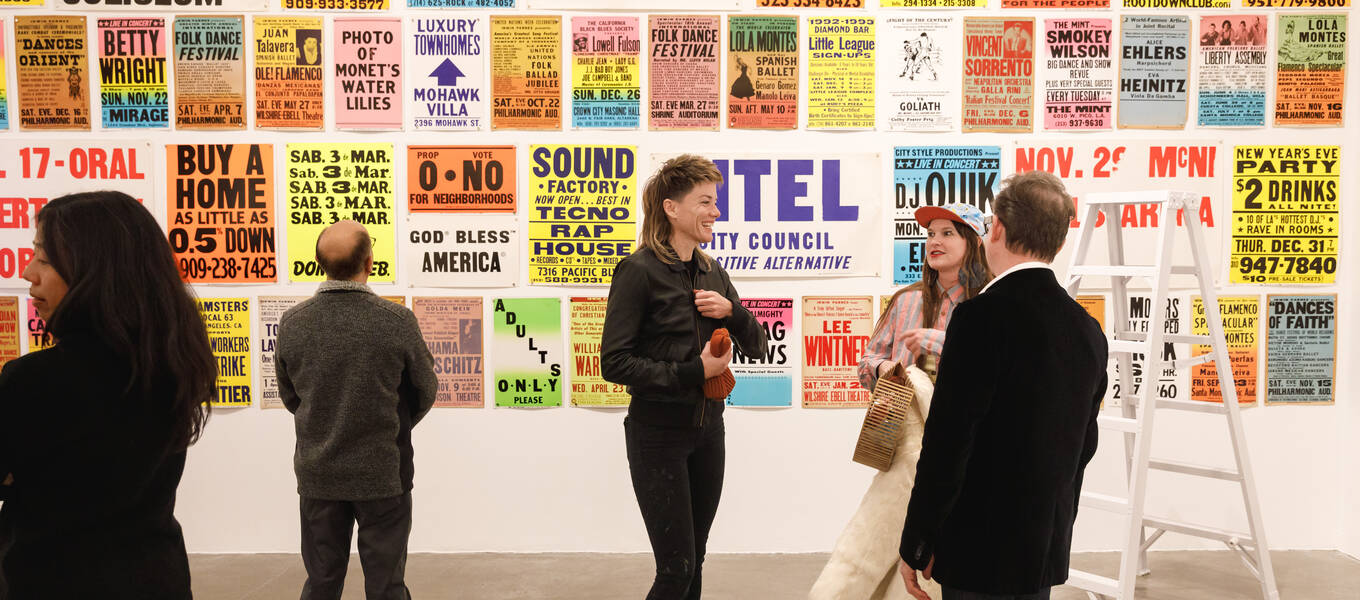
x=864 y=562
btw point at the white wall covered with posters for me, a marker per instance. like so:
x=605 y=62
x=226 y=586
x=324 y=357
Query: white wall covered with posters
x=506 y=480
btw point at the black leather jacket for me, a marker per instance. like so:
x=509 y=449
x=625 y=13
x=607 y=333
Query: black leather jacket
x=653 y=335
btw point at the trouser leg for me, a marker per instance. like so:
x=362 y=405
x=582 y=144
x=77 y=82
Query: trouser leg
x=658 y=464
x=384 y=530
x=326 y=529
x=706 y=467
x=957 y=594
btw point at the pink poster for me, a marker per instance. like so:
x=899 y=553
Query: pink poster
x=368 y=73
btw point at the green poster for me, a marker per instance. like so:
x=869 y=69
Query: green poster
x=527 y=346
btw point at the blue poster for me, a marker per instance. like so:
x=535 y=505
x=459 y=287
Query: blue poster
x=1301 y=349
x=935 y=176
x=766 y=380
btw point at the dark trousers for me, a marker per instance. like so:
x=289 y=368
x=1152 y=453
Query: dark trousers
x=957 y=594
x=677 y=477
x=384 y=528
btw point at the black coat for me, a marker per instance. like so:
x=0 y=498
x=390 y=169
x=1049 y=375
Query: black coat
x=1012 y=425
x=91 y=511
x=653 y=335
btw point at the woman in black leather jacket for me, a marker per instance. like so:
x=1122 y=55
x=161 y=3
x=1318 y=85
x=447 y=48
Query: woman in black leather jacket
x=666 y=300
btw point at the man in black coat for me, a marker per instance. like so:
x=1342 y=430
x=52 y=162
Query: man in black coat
x=1013 y=419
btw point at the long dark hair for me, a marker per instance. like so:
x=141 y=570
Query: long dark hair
x=973 y=275
x=124 y=288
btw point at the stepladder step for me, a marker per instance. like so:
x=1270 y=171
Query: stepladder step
x=1093 y=583
x=1214 y=408
x=1105 y=502
x=1123 y=424
x=1212 y=533
x=1193 y=469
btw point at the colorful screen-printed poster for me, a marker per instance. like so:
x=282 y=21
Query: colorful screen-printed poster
x=162 y=5
x=9 y=329
x=1078 y=74
x=1301 y=349
x=1154 y=71
x=37 y=330
x=460 y=3
x=1093 y=166
x=1310 y=70
x=841 y=59
x=836 y=330
x=998 y=74
x=461 y=250
x=1095 y=306
x=289 y=86
x=460 y=179
x=1220 y=4
x=220 y=200
x=368 y=73
x=526 y=65
x=271 y=310
x=228 y=324
x=447 y=70
x=452 y=327
x=349 y=5
x=766 y=380
x=526 y=339
x=936 y=176
x=4 y=79
x=1170 y=383
x=684 y=73
x=1286 y=214
x=762 y=72
x=588 y=387
x=606 y=77
x=1239 y=315
x=210 y=73
x=37 y=170
x=1067 y=4
x=918 y=86
x=53 y=72
x=330 y=182
x=796 y=214
x=132 y=73
x=583 y=214
x=1232 y=70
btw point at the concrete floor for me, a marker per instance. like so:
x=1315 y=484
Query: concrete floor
x=1313 y=575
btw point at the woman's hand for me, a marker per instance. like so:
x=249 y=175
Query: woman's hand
x=912 y=339
x=714 y=365
x=713 y=305
x=886 y=367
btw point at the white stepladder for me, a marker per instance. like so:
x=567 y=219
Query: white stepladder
x=1138 y=412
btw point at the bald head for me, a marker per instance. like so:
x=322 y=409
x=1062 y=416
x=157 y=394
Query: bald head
x=345 y=251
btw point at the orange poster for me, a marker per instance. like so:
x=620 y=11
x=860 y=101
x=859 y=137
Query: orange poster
x=9 y=329
x=53 y=72
x=220 y=200
x=37 y=330
x=835 y=331
x=1310 y=71
x=1095 y=306
x=454 y=179
x=289 y=92
x=526 y=69
x=1240 y=315
x=762 y=72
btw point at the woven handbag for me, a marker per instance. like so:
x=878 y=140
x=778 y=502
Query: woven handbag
x=884 y=423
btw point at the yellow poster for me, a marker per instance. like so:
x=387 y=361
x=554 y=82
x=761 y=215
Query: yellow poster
x=588 y=388
x=1095 y=306
x=934 y=3
x=1240 y=316
x=37 y=330
x=526 y=64
x=332 y=182
x=228 y=324
x=289 y=91
x=9 y=329
x=53 y=72
x=841 y=73
x=583 y=214
x=1286 y=214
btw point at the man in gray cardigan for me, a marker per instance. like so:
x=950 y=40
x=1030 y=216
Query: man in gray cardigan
x=355 y=372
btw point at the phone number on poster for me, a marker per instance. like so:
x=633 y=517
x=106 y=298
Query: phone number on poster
x=227 y=267
x=1302 y=265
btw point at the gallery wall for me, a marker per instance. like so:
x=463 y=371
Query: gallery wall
x=509 y=479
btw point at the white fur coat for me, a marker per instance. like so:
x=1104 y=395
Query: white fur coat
x=863 y=565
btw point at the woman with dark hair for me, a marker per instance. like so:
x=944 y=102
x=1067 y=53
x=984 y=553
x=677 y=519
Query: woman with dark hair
x=94 y=429
x=910 y=332
x=666 y=300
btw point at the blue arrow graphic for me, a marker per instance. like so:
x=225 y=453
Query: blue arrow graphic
x=448 y=73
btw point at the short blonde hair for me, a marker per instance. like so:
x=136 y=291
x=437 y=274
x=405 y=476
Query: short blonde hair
x=673 y=180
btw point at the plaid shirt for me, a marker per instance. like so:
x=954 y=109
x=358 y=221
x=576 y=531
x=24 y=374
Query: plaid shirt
x=905 y=315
